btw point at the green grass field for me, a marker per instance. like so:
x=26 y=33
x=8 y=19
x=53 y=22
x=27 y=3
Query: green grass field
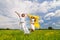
x=36 y=35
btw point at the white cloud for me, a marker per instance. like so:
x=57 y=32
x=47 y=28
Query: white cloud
x=41 y=21
x=57 y=24
x=53 y=23
x=44 y=7
x=6 y=22
x=49 y=15
x=53 y=4
x=57 y=13
x=58 y=3
x=3 y=18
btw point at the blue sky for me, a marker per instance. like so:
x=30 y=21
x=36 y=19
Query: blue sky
x=48 y=10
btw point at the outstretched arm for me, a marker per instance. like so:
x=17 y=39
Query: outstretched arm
x=17 y=13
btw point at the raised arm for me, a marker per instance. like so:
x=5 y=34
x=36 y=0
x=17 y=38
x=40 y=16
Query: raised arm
x=17 y=13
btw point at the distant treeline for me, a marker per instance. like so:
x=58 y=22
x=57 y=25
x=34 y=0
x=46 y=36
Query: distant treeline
x=29 y=29
x=7 y=29
x=50 y=28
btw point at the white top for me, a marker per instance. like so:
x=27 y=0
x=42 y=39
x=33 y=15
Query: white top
x=22 y=19
x=32 y=20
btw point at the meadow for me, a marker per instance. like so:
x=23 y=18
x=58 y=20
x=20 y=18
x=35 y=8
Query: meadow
x=36 y=35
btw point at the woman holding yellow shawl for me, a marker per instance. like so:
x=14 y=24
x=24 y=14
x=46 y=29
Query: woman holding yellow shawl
x=34 y=21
